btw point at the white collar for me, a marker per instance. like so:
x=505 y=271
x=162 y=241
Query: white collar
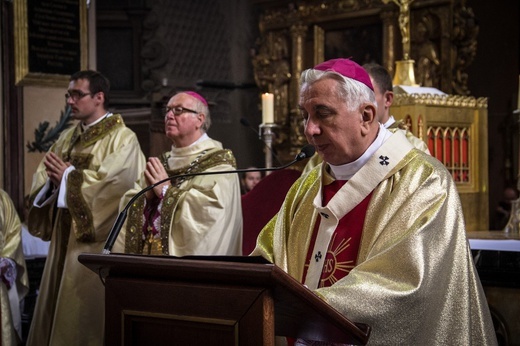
x=347 y=171
x=85 y=127
x=389 y=122
x=201 y=138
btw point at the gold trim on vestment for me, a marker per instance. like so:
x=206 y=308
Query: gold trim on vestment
x=79 y=210
x=134 y=242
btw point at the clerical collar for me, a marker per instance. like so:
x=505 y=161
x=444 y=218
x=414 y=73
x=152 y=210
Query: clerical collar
x=85 y=127
x=347 y=171
x=201 y=138
x=389 y=122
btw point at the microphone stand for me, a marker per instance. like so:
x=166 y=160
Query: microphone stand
x=307 y=151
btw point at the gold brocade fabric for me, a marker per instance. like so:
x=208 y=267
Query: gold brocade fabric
x=11 y=247
x=136 y=242
x=108 y=160
x=200 y=215
x=415 y=282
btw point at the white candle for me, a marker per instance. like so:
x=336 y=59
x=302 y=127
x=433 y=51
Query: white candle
x=267 y=108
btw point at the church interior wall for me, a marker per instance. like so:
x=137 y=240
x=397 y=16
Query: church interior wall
x=206 y=45
x=225 y=75
x=495 y=74
x=40 y=104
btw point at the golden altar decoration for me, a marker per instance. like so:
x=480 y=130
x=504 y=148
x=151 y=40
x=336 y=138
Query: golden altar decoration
x=294 y=36
x=455 y=129
x=442 y=44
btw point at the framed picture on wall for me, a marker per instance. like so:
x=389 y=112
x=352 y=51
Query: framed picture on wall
x=50 y=41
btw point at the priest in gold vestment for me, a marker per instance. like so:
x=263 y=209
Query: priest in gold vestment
x=75 y=198
x=377 y=229
x=191 y=215
x=14 y=283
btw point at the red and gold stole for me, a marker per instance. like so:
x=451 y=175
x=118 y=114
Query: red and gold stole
x=344 y=246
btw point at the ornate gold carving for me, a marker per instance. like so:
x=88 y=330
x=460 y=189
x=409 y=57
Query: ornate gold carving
x=310 y=11
x=443 y=35
x=272 y=71
x=427 y=51
x=319 y=44
x=440 y=100
x=465 y=32
x=404 y=24
x=451 y=145
x=297 y=138
x=456 y=133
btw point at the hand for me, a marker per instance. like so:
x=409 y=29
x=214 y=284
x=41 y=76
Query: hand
x=7 y=271
x=154 y=173
x=55 y=167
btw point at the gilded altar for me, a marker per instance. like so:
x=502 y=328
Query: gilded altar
x=455 y=130
x=442 y=42
x=298 y=35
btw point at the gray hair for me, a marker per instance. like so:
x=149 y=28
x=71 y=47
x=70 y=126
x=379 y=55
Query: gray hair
x=354 y=93
x=202 y=108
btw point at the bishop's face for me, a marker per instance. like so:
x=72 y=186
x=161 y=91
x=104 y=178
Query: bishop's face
x=339 y=135
x=182 y=122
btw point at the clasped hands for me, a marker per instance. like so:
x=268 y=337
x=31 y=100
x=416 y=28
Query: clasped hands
x=55 y=167
x=154 y=173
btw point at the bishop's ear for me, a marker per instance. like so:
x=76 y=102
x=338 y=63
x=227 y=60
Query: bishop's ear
x=368 y=112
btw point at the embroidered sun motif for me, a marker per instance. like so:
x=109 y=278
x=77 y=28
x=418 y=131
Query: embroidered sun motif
x=333 y=270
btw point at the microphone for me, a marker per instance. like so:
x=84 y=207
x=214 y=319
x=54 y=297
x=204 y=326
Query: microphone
x=306 y=152
x=246 y=123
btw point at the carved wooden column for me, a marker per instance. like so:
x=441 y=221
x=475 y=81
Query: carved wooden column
x=390 y=35
x=297 y=138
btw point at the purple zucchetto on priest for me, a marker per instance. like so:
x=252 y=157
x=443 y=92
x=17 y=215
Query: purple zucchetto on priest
x=347 y=68
x=197 y=96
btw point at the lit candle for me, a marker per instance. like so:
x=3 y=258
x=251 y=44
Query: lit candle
x=267 y=108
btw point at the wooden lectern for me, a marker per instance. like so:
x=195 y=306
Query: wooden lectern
x=213 y=300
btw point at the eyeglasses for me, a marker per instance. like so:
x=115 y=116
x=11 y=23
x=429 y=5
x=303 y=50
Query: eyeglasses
x=178 y=110
x=76 y=95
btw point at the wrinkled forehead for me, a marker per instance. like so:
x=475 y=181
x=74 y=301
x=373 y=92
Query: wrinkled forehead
x=320 y=90
x=181 y=99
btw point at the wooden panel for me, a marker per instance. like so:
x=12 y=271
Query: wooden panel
x=220 y=315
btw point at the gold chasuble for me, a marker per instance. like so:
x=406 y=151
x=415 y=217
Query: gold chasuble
x=197 y=215
x=414 y=281
x=11 y=249
x=107 y=160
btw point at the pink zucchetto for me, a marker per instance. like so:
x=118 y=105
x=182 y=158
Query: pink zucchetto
x=197 y=96
x=347 y=68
